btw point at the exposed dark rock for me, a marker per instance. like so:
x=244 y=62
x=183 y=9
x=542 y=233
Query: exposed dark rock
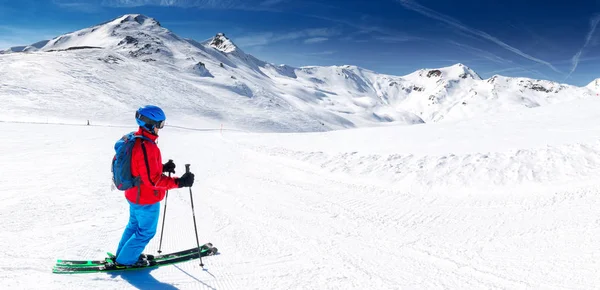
x=76 y=48
x=128 y=40
x=434 y=73
x=217 y=40
x=110 y=59
x=83 y=47
x=145 y=50
x=539 y=88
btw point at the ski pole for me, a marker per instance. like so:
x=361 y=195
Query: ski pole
x=187 y=169
x=162 y=229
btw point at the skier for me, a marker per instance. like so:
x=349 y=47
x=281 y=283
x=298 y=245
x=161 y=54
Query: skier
x=144 y=200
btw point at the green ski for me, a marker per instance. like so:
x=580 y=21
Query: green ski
x=82 y=266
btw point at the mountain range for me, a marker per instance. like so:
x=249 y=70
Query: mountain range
x=132 y=60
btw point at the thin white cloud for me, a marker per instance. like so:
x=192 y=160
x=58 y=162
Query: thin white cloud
x=316 y=32
x=315 y=40
x=87 y=7
x=327 y=52
x=517 y=70
x=494 y=58
x=310 y=35
x=411 y=5
x=576 y=58
x=395 y=39
x=481 y=53
x=510 y=69
x=351 y=38
x=259 y=39
x=364 y=29
x=16 y=36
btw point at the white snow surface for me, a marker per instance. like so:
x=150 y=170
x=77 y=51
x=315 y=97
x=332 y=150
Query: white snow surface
x=509 y=202
x=503 y=194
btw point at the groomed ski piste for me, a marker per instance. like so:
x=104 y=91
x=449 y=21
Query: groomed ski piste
x=508 y=201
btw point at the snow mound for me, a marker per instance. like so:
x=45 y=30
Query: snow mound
x=201 y=70
x=543 y=146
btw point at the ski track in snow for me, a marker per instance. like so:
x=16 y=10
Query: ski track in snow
x=281 y=222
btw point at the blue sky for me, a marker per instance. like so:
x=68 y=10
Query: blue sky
x=556 y=40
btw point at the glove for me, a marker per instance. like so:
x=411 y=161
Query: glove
x=169 y=167
x=186 y=180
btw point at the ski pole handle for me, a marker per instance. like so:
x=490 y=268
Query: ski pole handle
x=187 y=168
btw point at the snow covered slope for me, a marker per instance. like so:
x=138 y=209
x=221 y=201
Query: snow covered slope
x=497 y=203
x=126 y=62
x=549 y=145
x=594 y=86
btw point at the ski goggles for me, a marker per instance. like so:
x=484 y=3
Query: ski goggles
x=148 y=121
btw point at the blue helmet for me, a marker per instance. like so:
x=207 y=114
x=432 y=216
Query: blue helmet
x=149 y=117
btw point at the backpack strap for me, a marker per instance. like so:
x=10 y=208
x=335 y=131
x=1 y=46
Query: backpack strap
x=145 y=162
x=144 y=138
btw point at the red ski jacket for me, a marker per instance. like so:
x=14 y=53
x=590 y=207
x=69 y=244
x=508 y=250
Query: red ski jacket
x=148 y=167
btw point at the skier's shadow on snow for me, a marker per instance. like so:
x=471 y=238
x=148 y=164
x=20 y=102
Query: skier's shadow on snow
x=141 y=279
x=205 y=270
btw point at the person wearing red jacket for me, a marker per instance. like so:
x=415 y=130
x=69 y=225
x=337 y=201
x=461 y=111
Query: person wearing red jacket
x=144 y=199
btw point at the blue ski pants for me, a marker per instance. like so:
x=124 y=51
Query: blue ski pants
x=143 y=220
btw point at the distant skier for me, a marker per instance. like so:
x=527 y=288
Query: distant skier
x=144 y=200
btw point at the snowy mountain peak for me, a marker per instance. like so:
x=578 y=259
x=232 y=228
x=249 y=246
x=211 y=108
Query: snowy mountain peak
x=464 y=71
x=137 y=18
x=457 y=71
x=222 y=43
x=136 y=34
x=594 y=85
